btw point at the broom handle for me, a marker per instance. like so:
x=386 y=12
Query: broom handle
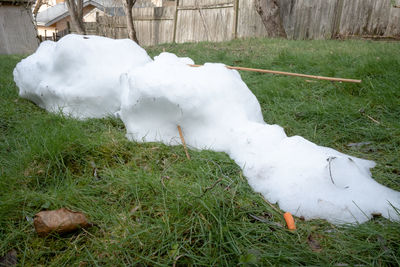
x=290 y=74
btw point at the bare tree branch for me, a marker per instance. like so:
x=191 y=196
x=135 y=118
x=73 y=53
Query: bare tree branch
x=79 y=7
x=37 y=7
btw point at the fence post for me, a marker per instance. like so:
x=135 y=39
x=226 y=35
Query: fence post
x=175 y=21
x=236 y=18
x=97 y=23
x=205 y=24
x=337 y=18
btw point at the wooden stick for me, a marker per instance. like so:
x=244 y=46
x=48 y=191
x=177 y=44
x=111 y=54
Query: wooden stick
x=290 y=74
x=362 y=111
x=183 y=142
x=372 y=119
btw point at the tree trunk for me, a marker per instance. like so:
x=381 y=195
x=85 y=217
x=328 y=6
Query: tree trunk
x=270 y=16
x=76 y=13
x=128 y=5
x=79 y=10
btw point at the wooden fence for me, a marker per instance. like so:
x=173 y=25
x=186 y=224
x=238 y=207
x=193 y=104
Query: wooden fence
x=314 y=19
x=222 y=20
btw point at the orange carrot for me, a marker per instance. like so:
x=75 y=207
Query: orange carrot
x=289 y=221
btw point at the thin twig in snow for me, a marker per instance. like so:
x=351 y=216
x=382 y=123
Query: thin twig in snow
x=211 y=187
x=330 y=171
x=183 y=142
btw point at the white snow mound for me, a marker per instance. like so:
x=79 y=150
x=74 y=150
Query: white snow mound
x=217 y=111
x=98 y=76
x=199 y=99
x=78 y=75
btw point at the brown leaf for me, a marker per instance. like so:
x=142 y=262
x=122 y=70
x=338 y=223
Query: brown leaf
x=27 y=172
x=313 y=243
x=60 y=221
x=10 y=259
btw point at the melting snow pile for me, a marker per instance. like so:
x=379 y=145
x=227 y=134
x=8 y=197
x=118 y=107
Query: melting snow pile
x=78 y=76
x=95 y=76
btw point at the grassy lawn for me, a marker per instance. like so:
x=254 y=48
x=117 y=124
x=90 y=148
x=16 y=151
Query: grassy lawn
x=152 y=206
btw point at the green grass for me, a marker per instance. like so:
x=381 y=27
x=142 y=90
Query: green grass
x=152 y=206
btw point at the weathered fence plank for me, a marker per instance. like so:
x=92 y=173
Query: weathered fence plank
x=393 y=27
x=364 y=17
x=185 y=3
x=154 y=25
x=214 y=21
x=222 y=20
x=309 y=19
x=249 y=22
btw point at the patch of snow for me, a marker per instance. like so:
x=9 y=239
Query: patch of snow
x=78 y=75
x=216 y=111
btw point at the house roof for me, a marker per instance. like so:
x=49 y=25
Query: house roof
x=56 y=13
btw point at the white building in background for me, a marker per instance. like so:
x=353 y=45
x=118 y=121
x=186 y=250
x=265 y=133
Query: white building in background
x=53 y=18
